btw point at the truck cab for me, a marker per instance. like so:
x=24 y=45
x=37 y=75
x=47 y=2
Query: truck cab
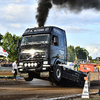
x=40 y=50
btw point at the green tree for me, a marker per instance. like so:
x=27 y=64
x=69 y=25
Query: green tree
x=90 y=58
x=77 y=53
x=9 y=45
x=1 y=37
x=70 y=54
x=81 y=53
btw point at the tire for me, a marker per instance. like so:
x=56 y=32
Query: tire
x=81 y=81
x=57 y=73
x=30 y=78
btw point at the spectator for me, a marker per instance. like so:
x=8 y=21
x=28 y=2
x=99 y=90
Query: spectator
x=15 y=69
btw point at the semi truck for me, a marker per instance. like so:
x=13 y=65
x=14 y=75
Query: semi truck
x=42 y=53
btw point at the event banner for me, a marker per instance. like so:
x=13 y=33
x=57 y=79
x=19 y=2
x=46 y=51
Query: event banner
x=3 y=52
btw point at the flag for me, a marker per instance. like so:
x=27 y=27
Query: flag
x=3 y=52
x=87 y=59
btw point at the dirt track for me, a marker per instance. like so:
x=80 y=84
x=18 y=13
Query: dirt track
x=6 y=73
x=11 y=90
x=36 y=89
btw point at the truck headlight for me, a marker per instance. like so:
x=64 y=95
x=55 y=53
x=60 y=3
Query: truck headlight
x=45 y=62
x=29 y=64
x=35 y=64
x=25 y=64
x=21 y=64
x=32 y=64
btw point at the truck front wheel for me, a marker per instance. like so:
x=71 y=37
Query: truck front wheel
x=29 y=78
x=57 y=73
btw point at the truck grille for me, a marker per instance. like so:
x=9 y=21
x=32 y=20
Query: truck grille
x=25 y=56
x=37 y=56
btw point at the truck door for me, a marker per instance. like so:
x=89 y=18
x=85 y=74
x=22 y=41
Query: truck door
x=61 y=47
x=54 y=46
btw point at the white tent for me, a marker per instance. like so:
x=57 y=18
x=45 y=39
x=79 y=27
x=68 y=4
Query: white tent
x=3 y=52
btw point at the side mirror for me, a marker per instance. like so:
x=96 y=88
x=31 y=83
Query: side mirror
x=17 y=43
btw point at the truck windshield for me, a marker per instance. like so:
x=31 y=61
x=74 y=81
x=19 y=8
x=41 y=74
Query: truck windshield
x=35 y=39
x=34 y=46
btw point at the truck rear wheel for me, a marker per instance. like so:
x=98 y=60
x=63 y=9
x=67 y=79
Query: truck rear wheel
x=57 y=74
x=81 y=81
x=29 y=78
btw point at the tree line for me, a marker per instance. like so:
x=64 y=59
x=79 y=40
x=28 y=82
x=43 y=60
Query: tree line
x=9 y=42
x=77 y=53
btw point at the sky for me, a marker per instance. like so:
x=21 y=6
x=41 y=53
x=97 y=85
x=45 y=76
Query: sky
x=82 y=28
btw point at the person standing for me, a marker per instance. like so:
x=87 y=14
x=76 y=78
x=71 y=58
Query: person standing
x=15 y=69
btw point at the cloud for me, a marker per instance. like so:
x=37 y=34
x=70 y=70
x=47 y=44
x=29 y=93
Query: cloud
x=94 y=51
x=16 y=16
x=76 y=29
x=2 y=29
x=12 y=1
x=18 y=13
x=16 y=25
x=18 y=1
x=66 y=17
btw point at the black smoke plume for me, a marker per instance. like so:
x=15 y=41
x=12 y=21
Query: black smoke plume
x=73 y=5
x=43 y=10
x=78 y=4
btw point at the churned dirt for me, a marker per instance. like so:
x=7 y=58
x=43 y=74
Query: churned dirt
x=5 y=73
x=16 y=90
x=34 y=90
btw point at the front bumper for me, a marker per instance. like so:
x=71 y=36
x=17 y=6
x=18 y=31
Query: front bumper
x=39 y=69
